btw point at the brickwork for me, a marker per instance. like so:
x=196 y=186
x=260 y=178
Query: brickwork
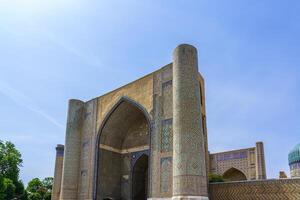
x=162 y=143
x=260 y=161
x=85 y=175
x=242 y=160
x=281 y=189
x=189 y=169
x=295 y=170
x=174 y=133
x=58 y=172
x=250 y=162
x=294 y=161
x=72 y=151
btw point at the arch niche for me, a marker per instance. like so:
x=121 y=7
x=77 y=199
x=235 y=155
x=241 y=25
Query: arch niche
x=122 y=153
x=140 y=178
x=234 y=174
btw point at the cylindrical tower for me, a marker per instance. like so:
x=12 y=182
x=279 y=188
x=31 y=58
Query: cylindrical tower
x=294 y=161
x=260 y=161
x=189 y=170
x=69 y=185
x=58 y=172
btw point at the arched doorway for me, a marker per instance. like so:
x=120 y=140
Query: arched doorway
x=234 y=174
x=140 y=178
x=123 y=134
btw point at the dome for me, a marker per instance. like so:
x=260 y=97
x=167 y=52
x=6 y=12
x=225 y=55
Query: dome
x=294 y=155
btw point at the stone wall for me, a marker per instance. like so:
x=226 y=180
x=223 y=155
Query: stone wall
x=58 y=172
x=161 y=138
x=250 y=162
x=241 y=159
x=273 y=189
x=153 y=94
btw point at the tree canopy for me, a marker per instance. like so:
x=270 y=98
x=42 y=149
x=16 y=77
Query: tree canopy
x=40 y=189
x=11 y=187
x=10 y=162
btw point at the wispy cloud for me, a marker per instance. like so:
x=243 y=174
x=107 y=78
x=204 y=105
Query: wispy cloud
x=89 y=59
x=22 y=100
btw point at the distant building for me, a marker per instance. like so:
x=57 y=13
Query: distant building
x=240 y=164
x=294 y=161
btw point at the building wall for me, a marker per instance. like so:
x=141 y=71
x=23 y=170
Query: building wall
x=281 y=189
x=295 y=170
x=154 y=92
x=58 y=172
x=249 y=161
x=242 y=160
x=162 y=135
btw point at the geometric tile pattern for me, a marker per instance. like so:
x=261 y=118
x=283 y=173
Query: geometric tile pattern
x=282 y=189
x=167 y=96
x=189 y=171
x=166 y=136
x=189 y=161
x=166 y=175
x=166 y=84
x=189 y=184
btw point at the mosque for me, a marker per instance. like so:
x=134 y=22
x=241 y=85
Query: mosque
x=294 y=161
x=148 y=140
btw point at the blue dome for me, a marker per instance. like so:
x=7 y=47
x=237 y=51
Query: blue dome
x=294 y=155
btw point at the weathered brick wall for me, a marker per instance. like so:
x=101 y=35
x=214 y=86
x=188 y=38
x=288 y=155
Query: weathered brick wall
x=282 y=189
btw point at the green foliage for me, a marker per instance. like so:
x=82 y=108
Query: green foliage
x=20 y=191
x=10 y=162
x=38 y=189
x=34 y=185
x=8 y=188
x=47 y=183
x=35 y=196
x=1 y=187
x=47 y=196
x=213 y=178
x=11 y=188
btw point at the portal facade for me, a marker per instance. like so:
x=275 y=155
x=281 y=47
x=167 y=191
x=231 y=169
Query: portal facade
x=240 y=164
x=144 y=140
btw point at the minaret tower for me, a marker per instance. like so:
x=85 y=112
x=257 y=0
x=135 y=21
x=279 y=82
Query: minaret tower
x=189 y=169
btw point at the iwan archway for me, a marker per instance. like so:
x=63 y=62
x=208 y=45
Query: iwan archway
x=107 y=139
x=123 y=153
x=234 y=174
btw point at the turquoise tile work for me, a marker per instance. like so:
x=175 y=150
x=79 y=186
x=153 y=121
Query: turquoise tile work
x=167 y=136
x=166 y=175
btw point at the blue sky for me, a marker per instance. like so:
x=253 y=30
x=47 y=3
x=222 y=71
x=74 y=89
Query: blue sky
x=54 y=50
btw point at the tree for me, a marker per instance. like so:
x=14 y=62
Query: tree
x=20 y=191
x=10 y=162
x=47 y=183
x=35 y=196
x=213 y=178
x=40 y=190
x=34 y=185
x=8 y=189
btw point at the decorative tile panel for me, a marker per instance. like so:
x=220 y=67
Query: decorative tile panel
x=166 y=175
x=166 y=135
x=167 y=95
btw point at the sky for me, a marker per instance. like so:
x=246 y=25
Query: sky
x=55 y=50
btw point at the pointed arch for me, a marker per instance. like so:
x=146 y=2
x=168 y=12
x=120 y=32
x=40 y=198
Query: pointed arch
x=234 y=174
x=140 y=178
x=108 y=115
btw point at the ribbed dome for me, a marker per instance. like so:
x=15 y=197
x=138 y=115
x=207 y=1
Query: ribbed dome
x=294 y=155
